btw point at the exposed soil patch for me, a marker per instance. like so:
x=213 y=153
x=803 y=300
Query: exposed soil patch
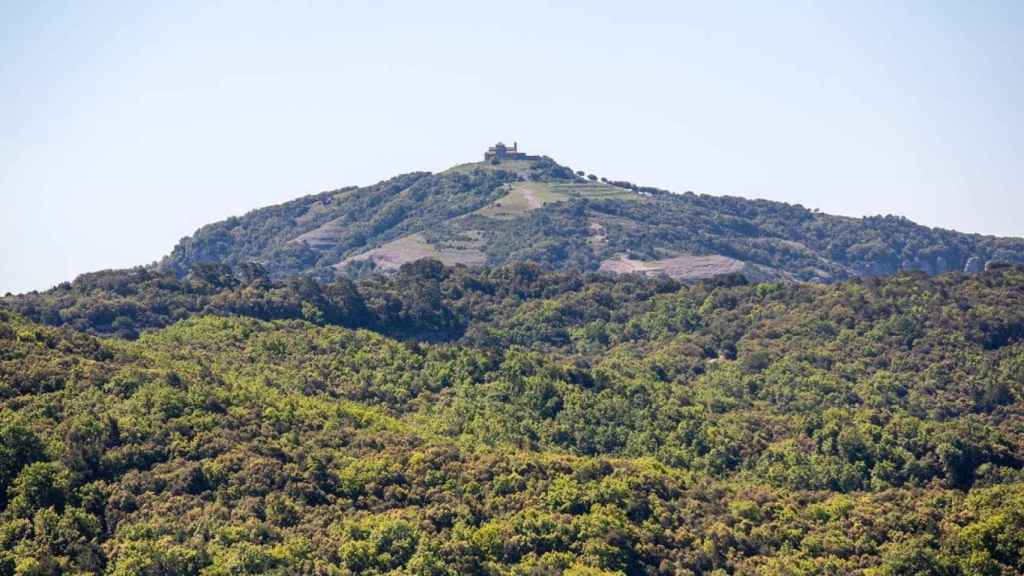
x=679 y=267
x=415 y=247
x=324 y=236
x=530 y=195
x=598 y=234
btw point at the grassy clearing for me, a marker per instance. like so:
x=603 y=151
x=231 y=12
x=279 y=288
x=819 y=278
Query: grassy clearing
x=592 y=190
x=506 y=165
x=525 y=196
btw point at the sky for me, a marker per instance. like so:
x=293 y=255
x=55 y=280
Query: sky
x=125 y=126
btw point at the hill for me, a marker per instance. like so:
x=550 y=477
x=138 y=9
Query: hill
x=532 y=209
x=519 y=421
x=771 y=391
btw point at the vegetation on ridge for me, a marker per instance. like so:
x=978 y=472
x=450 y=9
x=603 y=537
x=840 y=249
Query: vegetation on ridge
x=573 y=223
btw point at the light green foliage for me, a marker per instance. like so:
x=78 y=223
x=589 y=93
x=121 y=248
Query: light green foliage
x=550 y=423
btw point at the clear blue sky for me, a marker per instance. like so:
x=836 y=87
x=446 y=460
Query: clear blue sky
x=126 y=125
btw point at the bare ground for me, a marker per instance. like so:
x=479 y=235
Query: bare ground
x=679 y=267
x=415 y=247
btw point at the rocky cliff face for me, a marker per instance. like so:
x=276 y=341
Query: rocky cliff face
x=938 y=265
x=974 y=265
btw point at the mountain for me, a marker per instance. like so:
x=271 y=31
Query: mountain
x=519 y=208
x=778 y=392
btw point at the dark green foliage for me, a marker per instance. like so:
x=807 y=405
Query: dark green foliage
x=19 y=447
x=354 y=219
x=423 y=300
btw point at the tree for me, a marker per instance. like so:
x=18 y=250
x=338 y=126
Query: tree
x=19 y=446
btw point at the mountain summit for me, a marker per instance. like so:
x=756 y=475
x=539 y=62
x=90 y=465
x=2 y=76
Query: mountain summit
x=512 y=206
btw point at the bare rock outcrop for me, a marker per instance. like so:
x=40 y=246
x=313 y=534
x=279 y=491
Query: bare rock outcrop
x=974 y=265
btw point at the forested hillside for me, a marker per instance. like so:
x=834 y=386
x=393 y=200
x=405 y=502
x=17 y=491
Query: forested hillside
x=513 y=420
x=538 y=211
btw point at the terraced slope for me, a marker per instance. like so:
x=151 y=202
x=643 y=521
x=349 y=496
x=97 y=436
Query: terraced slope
x=523 y=197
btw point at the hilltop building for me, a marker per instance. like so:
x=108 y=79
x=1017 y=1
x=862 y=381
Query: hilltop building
x=501 y=152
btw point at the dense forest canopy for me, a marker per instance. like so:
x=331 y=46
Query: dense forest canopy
x=512 y=420
x=539 y=211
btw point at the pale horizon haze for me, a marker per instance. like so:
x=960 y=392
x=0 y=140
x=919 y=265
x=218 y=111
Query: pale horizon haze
x=125 y=126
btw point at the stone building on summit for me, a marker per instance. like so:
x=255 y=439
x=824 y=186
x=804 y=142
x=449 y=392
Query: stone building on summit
x=500 y=152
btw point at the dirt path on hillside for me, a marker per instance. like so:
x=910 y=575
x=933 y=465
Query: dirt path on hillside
x=532 y=202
